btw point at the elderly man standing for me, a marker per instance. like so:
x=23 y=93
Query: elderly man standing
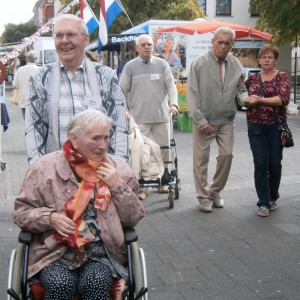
x=214 y=80
x=72 y=84
x=148 y=84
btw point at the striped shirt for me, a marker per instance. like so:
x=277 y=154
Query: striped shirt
x=74 y=95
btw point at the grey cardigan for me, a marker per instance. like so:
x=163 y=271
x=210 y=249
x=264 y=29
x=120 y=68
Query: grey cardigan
x=41 y=121
x=208 y=101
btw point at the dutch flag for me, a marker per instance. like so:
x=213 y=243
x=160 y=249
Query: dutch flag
x=88 y=17
x=109 y=11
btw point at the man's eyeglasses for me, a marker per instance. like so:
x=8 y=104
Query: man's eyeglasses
x=69 y=35
x=267 y=57
x=143 y=45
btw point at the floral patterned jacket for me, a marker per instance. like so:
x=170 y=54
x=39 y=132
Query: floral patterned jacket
x=278 y=86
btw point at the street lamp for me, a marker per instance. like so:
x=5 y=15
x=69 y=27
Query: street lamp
x=295 y=71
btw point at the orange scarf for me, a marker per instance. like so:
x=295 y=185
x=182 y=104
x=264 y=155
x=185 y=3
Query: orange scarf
x=76 y=205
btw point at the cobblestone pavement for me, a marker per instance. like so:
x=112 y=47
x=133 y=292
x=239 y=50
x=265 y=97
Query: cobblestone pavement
x=228 y=254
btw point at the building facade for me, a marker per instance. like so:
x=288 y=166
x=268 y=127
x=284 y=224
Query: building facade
x=239 y=12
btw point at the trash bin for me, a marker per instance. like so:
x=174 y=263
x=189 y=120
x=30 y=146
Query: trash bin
x=184 y=122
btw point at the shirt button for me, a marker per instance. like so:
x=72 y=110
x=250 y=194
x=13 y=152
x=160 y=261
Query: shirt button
x=57 y=252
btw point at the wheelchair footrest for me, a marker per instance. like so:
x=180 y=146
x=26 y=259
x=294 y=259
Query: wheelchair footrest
x=141 y=293
x=13 y=294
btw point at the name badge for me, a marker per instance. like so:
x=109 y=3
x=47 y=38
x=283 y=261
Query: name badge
x=154 y=76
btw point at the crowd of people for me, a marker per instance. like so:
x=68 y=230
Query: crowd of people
x=76 y=113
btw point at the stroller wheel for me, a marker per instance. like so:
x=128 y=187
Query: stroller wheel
x=176 y=191
x=171 y=198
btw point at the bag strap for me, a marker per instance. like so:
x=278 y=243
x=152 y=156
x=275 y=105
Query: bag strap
x=261 y=85
x=263 y=93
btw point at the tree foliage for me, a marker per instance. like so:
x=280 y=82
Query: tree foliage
x=15 y=33
x=143 y=10
x=278 y=17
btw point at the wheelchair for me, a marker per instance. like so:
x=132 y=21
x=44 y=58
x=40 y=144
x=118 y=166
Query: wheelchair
x=135 y=288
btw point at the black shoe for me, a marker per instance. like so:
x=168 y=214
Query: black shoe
x=166 y=178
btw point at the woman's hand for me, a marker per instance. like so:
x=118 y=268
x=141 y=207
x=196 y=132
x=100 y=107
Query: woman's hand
x=251 y=101
x=62 y=224
x=109 y=175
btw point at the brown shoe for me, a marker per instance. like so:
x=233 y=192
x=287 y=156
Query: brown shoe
x=142 y=195
x=164 y=189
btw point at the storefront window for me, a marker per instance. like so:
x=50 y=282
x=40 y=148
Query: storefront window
x=253 y=12
x=223 y=7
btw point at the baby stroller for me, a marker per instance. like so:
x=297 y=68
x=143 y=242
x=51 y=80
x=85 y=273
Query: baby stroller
x=147 y=156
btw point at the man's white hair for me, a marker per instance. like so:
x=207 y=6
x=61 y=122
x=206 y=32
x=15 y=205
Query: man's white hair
x=63 y=17
x=143 y=36
x=224 y=30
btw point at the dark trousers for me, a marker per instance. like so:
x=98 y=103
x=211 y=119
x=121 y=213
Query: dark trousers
x=267 y=150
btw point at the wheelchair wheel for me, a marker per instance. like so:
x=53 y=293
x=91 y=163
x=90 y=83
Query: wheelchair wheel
x=16 y=262
x=144 y=272
x=171 y=197
x=138 y=276
x=140 y=272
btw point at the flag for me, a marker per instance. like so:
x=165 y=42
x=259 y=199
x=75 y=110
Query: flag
x=88 y=17
x=109 y=11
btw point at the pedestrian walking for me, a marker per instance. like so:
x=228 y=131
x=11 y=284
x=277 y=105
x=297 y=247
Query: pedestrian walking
x=214 y=80
x=22 y=77
x=148 y=85
x=269 y=94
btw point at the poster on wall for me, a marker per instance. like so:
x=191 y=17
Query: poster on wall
x=197 y=44
x=171 y=47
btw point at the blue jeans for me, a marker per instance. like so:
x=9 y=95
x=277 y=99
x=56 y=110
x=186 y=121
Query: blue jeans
x=267 y=150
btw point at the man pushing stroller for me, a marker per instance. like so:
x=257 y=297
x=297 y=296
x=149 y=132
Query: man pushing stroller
x=147 y=82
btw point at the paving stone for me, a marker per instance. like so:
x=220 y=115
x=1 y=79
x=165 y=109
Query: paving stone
x=228 y=254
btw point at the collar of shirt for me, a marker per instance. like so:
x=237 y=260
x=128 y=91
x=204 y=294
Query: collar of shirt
x=82 y=66
x=145 y=62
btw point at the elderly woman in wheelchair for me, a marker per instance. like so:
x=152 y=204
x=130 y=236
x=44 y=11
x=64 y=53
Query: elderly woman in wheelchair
x=76 y=203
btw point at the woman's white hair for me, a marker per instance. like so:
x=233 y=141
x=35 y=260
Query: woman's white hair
x=63 y=17
x=86 y=117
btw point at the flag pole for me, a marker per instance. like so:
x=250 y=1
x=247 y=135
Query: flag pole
x=124 y=10
x=91 y=11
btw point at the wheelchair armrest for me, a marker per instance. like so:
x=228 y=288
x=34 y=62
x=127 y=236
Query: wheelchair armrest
x=130 y=235
x=25 y=237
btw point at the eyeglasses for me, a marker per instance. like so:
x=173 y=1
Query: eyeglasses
x=146 y=45
x=267 y=57
x=69 y=35
x=220 y=43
